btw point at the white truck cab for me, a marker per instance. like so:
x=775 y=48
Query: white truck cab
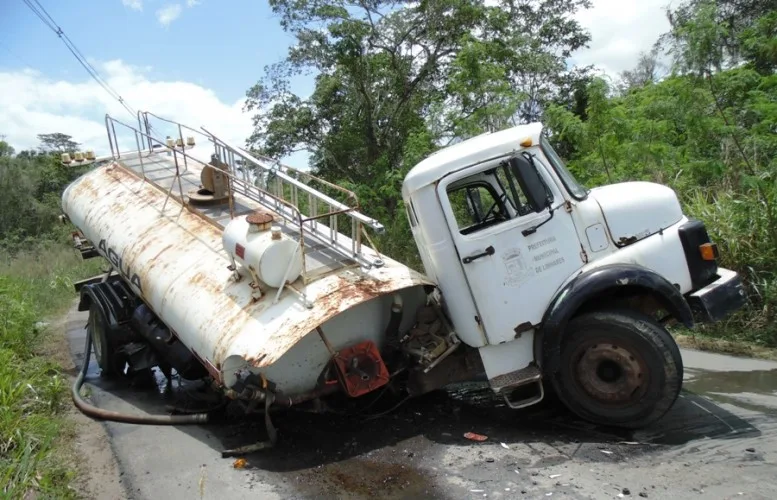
x=561 y=287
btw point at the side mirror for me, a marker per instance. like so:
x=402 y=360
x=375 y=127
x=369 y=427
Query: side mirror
x=531 y=183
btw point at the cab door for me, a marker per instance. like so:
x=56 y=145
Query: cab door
x=514 y=254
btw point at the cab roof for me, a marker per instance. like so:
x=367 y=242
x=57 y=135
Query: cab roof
x=469 y=152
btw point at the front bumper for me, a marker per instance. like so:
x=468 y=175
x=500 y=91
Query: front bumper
x=718 y=299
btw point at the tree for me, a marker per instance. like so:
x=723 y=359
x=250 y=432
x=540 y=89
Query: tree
x=647 y=70
x=32 y=185
x=57 y=143
x=390 y=74
x=6 y=149
x=759 y=44
x=713 y=34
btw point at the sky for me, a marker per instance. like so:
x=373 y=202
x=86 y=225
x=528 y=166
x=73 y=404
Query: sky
x=194 y=60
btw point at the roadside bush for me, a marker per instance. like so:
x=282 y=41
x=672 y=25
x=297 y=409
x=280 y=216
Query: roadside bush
x=31 y=395
x=35 y=284
x=712 y=140
x=740 y=226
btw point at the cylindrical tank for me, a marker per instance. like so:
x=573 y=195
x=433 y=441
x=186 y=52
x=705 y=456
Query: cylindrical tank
x=174 y=258
x=268 y=253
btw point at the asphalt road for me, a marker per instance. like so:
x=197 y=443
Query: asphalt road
x=719 y=441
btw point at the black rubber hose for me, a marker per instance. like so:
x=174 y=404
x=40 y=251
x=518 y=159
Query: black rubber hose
x=100 y=414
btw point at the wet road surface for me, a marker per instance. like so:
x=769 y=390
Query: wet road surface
x=719 y=441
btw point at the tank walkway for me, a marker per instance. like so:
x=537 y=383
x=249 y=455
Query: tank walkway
x=172 y=169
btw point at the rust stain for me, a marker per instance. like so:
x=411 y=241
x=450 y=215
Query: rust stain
x=231 y=326
x=347 y=293
x=160 y=242
x=85 y=187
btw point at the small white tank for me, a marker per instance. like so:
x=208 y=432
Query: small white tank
x=263 y=249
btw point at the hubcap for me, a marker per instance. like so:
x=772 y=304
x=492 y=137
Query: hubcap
x=610 y=374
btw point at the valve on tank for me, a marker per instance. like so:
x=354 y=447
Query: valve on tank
x=215 y=183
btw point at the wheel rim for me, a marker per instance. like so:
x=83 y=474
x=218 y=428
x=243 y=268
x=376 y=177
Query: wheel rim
x=610 y=373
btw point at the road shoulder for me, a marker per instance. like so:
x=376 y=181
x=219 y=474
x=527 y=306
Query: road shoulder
x=87 y=444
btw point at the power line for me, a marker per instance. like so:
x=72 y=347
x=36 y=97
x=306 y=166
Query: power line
x=46 y=19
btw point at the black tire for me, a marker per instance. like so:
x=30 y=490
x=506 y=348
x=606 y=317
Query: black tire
x=102 y=343
x=618 y=368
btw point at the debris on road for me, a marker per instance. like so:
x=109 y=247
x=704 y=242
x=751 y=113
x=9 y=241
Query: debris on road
x=505 y=446
x=251 y=448
x=475 y=437
x=240 y=463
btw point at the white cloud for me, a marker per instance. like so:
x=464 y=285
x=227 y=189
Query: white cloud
x=169 y=13
x=192 y=3
x=620 y=30
x=32 y=104
x=133 y=4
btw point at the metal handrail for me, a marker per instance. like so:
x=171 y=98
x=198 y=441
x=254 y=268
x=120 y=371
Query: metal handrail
x=116 y=154
x=340 y=207
x=180 y=126
x=243 y=186
x=227 y=153
x=280 y=172
x=144 y=122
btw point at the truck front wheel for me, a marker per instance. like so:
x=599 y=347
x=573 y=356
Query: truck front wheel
x=619 y=368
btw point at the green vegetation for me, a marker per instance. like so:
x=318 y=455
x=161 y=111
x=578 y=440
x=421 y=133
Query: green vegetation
x=397 y=81
x=37 y=271
x=709 y=130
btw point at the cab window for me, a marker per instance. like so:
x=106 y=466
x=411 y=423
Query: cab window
x=488 y=198
x=476 y=205
x=509 y=185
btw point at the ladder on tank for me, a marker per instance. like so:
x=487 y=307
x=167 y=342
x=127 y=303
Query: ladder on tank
x=309 y=205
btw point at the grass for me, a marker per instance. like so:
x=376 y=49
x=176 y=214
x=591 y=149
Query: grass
x=35 y=286
x=705 y=342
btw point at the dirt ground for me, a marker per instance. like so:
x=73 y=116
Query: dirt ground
x=719 y=441
x=87 y=441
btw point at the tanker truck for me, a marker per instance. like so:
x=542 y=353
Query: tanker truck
x=263 y=280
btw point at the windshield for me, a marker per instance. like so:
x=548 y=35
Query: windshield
x=574 y=187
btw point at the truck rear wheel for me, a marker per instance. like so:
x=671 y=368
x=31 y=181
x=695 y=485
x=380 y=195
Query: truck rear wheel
x=618 y=368
x=97 y=327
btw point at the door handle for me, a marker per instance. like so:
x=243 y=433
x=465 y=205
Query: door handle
x=488 y=251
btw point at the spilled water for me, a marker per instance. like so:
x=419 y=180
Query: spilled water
x=414 y=450
x=751 y=390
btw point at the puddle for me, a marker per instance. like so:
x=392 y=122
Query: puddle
x=756 y=381
x=751 y=390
